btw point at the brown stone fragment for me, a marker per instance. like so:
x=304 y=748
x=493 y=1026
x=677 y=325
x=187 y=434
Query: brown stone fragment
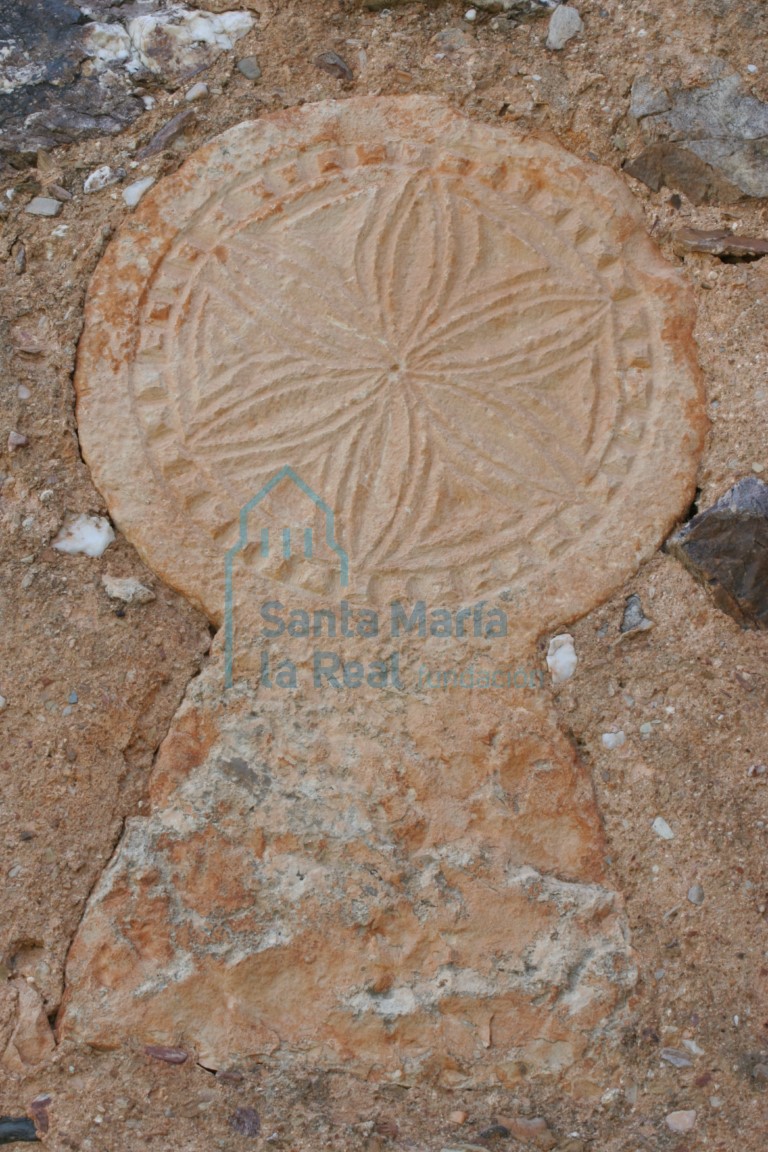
x=31 y=1041
x=718 y=242
x=38 y=1110
x=675 y=166
x=532 y=1131
x=167 y=134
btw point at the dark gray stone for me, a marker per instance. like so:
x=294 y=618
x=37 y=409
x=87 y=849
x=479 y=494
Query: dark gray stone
x=48 y=102
x=726 y=549
x=722 y=111
x=17 y=1129
x=709 y=143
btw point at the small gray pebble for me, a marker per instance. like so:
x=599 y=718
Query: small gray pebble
x=564 y=24
x=196 y=92
x=634 y=617
x=249 y=66
x=334 y=65
x=676 y=1058
x=43 y=206
x=696 y=894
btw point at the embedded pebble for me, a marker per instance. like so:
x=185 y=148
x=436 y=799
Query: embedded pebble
x=470 y=14
x=561 y=658
x=245 y=1121
x=39 y=1109
x=334 y=65
x=102 y=178
x=3 y=703
x=16 y=440
x=196 y=92
x=85 y=536
x=721 y=242
x=661 y=828
x=127 y=589
x=134 y=192
x=249 y=66
x=683 y=1121
x=466 y=1148
x=530 y=1130
x=757 y=770
x=43 y=206
x=613 y=740
x=169 y=1055
x=23 y=392
x=16 y=1129
x=647 y=98
x=634 y=619
x=696 y=894
x=675 y=1057
x=166 y=135
x=564 y=24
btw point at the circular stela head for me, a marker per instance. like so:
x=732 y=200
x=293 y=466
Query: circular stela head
x=459 y=345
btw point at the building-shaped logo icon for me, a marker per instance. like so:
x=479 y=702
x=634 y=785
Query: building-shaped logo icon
x=283 y=541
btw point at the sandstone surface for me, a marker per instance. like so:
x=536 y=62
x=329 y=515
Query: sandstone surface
x=363 y=884
x=462 y=341
x=359 y=355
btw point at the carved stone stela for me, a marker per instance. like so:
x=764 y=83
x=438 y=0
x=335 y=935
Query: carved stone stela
x=481 y=370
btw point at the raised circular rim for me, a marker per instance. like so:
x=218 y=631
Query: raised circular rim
x=176 y=548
